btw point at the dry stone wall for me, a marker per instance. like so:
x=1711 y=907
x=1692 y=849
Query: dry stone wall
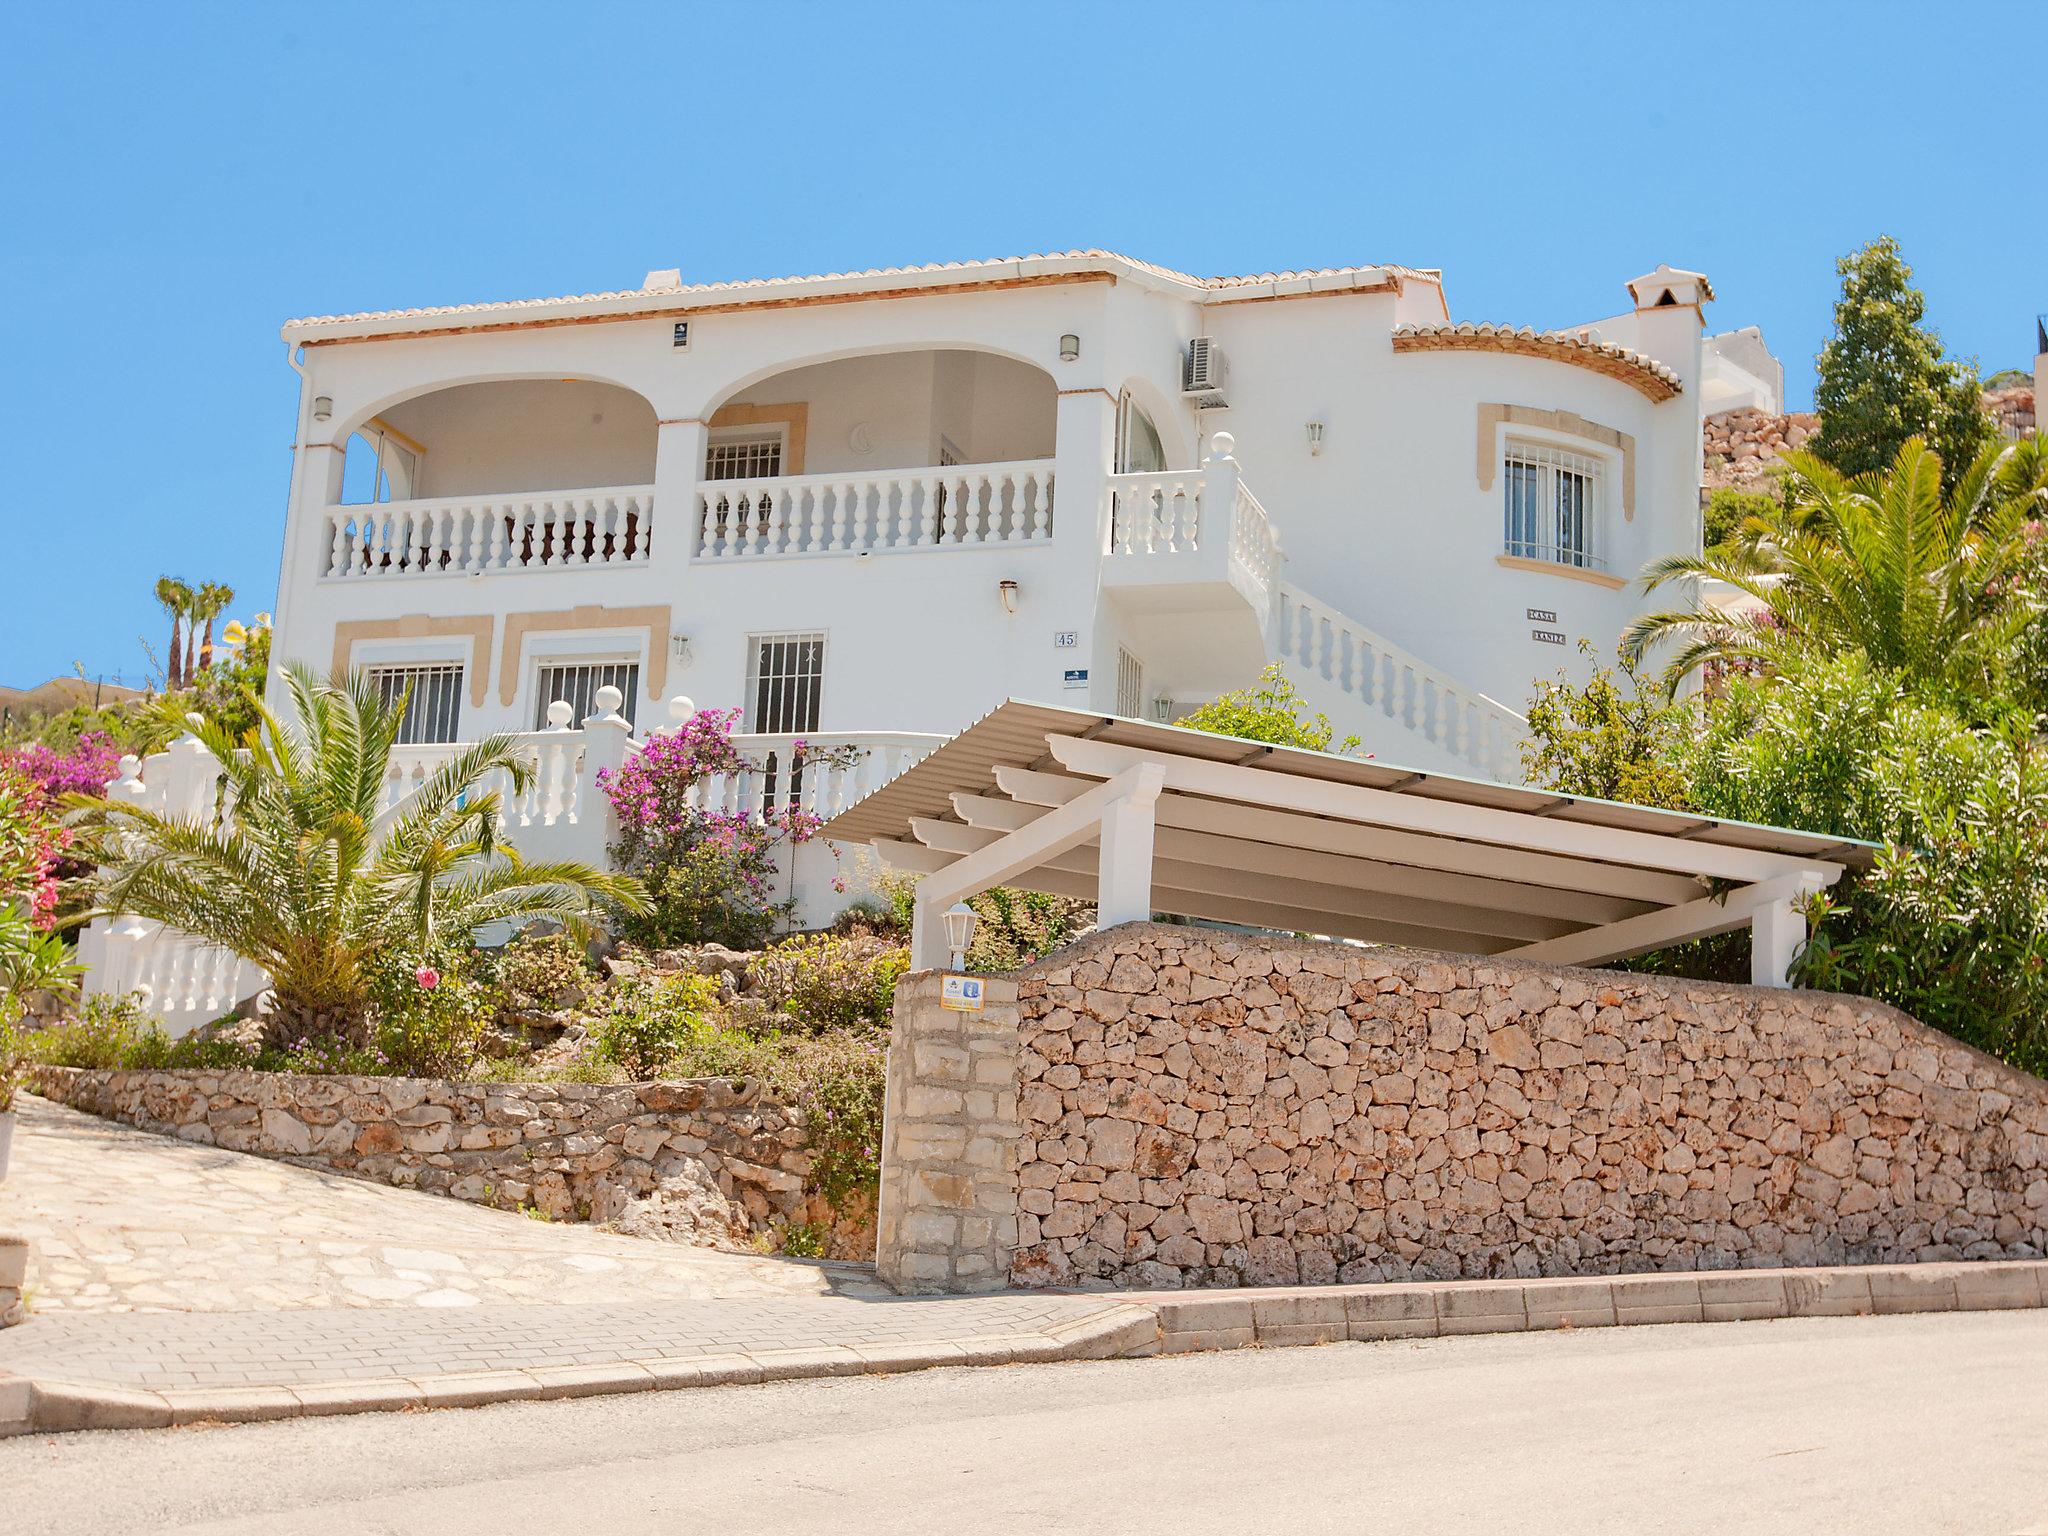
x=708 y=1161
x=1196 y=1108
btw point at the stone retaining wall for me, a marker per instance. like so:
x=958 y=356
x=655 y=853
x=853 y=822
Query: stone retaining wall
x=1196 y=1108
x=709 y=1161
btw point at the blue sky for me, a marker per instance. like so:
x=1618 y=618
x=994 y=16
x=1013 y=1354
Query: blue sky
x=180 y=179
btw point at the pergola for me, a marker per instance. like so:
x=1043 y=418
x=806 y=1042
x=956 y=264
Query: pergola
x=1146 y=818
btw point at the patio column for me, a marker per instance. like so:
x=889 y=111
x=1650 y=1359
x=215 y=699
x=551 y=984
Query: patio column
x=1776 y=931
x=678 y=466
x=1123 y=891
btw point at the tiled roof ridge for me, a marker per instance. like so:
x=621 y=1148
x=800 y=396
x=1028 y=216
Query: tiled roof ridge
x=752 y=284
x=1571 y=339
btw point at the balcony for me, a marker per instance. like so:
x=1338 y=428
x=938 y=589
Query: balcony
x=1195 y=538
x=895 y=512
x=474 y=535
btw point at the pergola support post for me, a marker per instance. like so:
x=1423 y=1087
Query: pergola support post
x=1776 y=930
x=1123 y=892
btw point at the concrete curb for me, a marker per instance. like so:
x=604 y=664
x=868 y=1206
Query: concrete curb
x=35 y=1405
x=1190 y=1321
x=1132 y=1325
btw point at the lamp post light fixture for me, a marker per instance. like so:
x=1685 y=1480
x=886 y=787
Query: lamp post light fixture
x=1070 y=347
x=959 y=920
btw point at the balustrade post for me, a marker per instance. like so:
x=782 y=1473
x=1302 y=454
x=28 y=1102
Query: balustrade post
x=606 y=740
x=1220 y=479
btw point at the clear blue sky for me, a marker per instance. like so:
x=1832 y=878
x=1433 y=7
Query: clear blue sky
x=179 y=179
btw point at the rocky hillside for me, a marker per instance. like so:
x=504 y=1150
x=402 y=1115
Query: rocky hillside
x=1741 y=448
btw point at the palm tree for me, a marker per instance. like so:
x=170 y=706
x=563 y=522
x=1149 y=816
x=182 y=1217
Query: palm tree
x=208 y=604
x=1881 y=563
x=306 y=879
x=176 y=598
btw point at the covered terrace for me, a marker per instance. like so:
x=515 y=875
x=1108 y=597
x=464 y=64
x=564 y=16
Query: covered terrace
x=1146 y=819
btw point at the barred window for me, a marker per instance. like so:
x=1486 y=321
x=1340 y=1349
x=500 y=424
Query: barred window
x=433 y=695
x=1130 y=685
x=1551 y=504
x=785 y=678
x=748 y=456
x=577 y=683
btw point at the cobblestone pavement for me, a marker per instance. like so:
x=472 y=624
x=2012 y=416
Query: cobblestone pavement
x=123 y=1220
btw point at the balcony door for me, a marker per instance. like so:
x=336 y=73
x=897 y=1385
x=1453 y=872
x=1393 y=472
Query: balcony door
x=1139 y=448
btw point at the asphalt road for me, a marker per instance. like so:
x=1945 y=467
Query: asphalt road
x=1867 y=1425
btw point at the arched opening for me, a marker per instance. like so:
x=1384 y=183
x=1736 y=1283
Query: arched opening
x=508 y=435
x=881 y=451
x=885 y=410
x=495 y=475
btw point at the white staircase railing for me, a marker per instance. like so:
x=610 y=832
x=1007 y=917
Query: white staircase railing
x=1385 y=679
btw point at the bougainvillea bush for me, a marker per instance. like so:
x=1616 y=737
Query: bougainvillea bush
x=710 y=871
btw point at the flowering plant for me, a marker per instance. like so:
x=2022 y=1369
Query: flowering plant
x=711 y=871
x=84 y=770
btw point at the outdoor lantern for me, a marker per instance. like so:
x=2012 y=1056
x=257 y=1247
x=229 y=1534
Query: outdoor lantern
x=1315 y=438
x=323 y=407
x=1070 y=347
x=959 y=931
x=1006 y=590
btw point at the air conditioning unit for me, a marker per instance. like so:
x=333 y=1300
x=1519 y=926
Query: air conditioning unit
x=1205 y=373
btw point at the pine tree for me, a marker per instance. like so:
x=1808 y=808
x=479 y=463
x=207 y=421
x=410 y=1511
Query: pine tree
x=1883 y=378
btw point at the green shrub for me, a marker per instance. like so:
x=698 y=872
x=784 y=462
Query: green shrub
x=1727 y=509
x=423 y=1030
x=107 y=1033
x=713 y=893
x=654 y=1024
x=1617 y=740
x=1269 y=710
x=833 y=981
x=532 y=972
x=837 y=1081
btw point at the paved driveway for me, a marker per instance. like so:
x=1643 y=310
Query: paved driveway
x=124 y=1220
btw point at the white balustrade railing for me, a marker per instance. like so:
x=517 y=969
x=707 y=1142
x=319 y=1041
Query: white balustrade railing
x=1383 y=677
x=904 y=509
x=1156 y=513
x=818 y=774
x=538 y=530
x=1255 y=557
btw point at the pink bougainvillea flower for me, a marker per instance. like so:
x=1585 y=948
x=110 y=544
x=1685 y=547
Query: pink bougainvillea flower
x=427 y=977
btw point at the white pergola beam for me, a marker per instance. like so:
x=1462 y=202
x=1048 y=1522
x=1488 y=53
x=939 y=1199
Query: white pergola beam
x=1600 y=884
x=1355 y=802
x=1769 y=907
x=1110 y=812
x=1325 y=882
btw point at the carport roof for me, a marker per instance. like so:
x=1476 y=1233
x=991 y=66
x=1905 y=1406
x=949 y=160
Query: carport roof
x=1282 y=837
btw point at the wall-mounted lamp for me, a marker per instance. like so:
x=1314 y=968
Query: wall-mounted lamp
x=959 y=920
x=1315 y=438
x=323 y=407
x=1163 y=709
x=1007 y=590
x=679 y=647
x=1070 y=347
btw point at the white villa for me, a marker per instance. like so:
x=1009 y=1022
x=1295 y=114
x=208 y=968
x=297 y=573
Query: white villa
x=871 y=506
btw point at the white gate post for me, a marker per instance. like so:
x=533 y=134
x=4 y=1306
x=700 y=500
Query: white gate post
x=606 y=737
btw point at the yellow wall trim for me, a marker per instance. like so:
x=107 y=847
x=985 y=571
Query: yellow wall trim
x=476 y=628
x=1492 y=417
x=1551 y=568
x=653 y=618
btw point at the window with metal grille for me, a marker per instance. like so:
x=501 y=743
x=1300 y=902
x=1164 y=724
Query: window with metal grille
x=785 y=676
x=577 y=682
x=433 y=695
x=1130 y=684
x=1551 y=501
x=755 y=456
